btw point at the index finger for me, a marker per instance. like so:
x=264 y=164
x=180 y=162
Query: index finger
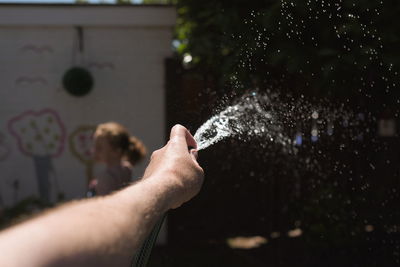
x=182 y=137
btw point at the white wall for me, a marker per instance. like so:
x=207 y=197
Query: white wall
x=37 y=46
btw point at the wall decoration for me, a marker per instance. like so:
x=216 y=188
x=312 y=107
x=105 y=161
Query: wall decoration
x=37 y=49
x=4 y=148
x=77 y=80
x=41 y=136
x=101 y=65
x=81 y=144
x=31 y=80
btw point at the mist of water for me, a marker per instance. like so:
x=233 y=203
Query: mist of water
x=266 y=117
x=251 y=116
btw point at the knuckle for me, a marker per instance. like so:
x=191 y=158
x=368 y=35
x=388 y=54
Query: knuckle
x=155 y=153
x=177 y=127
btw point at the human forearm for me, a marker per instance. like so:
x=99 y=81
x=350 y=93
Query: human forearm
x=107 y=231
x=99 y=232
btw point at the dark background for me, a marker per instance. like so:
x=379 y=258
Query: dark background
x=342 y=53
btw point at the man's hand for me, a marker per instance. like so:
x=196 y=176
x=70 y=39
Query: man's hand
x=175 y=167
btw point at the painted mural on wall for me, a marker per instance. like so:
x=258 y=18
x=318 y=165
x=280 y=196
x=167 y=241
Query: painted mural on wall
x=80 y=144
x=28 y=80
x=101 y=65
x=40 y=135
x=37 y=49
x=14 y=185
x=4 y=148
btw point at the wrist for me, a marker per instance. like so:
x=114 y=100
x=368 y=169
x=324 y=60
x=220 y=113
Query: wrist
x=154 y=191
x=166 y=188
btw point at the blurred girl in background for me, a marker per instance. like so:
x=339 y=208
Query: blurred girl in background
x=119 y=152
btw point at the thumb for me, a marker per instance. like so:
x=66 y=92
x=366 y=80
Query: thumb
x=182 y=137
